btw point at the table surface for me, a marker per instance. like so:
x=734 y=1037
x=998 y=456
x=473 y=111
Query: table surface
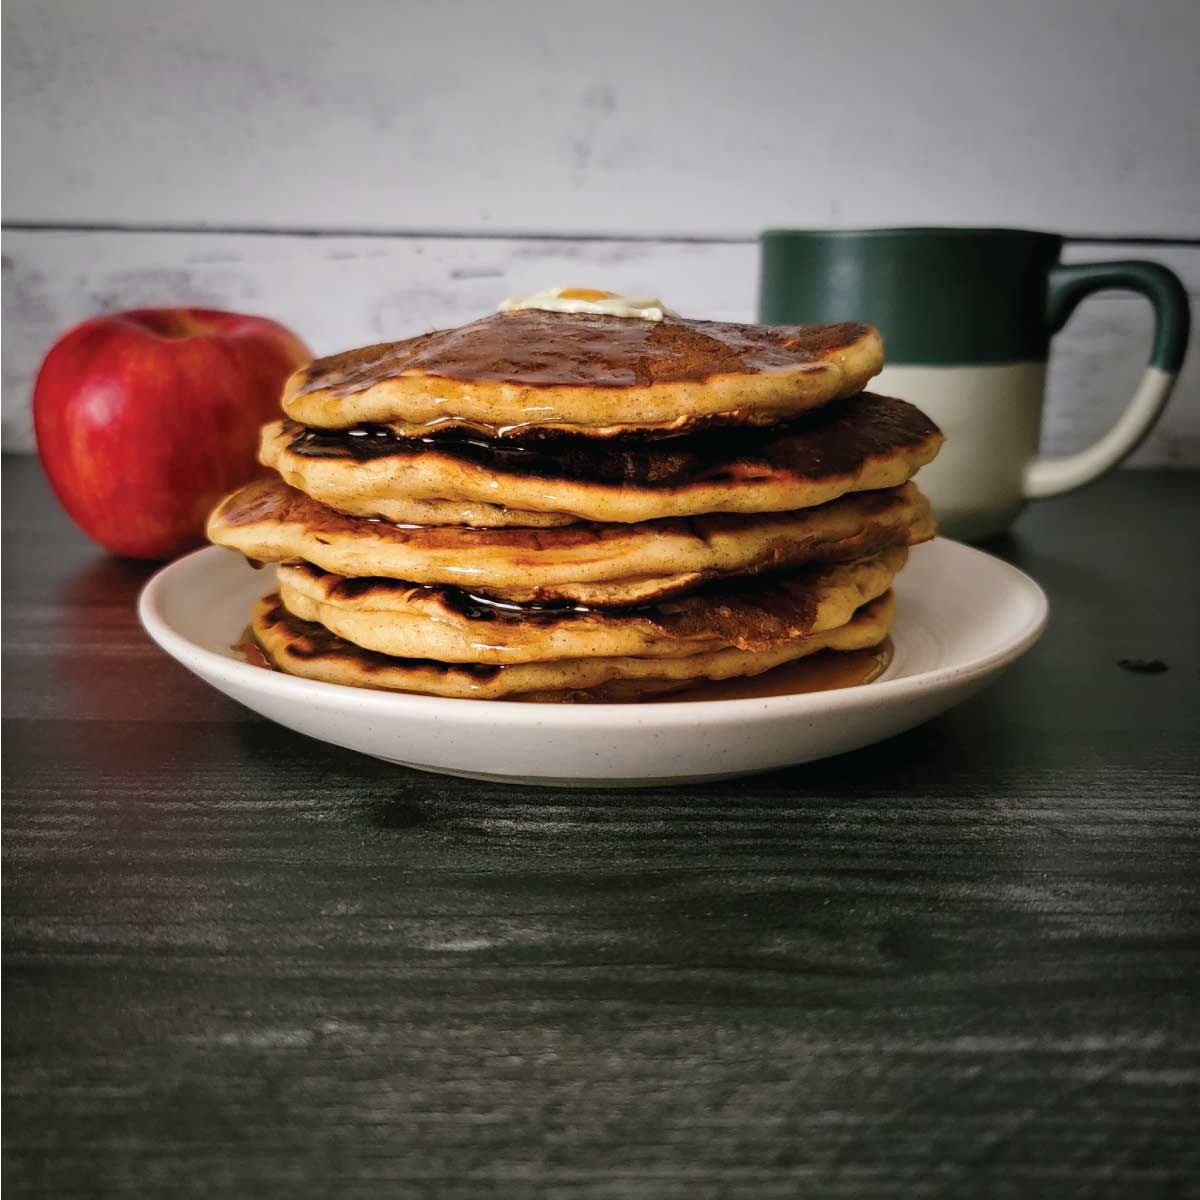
x=966 y=961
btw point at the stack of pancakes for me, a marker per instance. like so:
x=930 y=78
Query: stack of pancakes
x=548 y=505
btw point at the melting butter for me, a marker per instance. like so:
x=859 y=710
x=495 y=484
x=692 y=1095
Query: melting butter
x=590 y=300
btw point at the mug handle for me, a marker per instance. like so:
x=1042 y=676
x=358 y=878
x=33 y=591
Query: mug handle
x=1070 y=284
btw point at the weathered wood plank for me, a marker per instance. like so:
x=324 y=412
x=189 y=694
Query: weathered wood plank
x=340 y=292
x=964 y=962
x=335 y=292
x=619 y=118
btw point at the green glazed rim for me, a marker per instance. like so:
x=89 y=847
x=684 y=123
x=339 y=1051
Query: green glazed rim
x=953 y=295
x=939 y=231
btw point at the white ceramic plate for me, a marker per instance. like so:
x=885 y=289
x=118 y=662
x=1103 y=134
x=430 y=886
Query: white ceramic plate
x=962 y=617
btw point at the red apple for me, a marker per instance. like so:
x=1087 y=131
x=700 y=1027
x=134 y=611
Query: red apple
x=146 y=419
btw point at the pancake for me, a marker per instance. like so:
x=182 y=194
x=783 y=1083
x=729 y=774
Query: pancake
x=602 y=565
x=309 y=650
x=863 y=443
x=517 y=372
x=447 y=624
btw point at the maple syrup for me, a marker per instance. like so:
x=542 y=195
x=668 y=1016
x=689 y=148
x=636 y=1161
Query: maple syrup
x=251 y=652
x=820 y=672
x=831 y=440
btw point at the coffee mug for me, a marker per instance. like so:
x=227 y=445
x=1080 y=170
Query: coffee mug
x=966 y=317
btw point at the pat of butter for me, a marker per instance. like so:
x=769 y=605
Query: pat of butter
x=589 y=300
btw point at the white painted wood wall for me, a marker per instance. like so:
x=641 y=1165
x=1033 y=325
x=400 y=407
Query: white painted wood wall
x=367 y=170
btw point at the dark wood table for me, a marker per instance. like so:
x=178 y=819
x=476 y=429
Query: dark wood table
x=965 y=962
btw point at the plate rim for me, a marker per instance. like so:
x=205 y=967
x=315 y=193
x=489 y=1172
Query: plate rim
x=506 y=712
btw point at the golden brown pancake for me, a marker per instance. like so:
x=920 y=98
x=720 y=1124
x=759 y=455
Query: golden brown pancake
x=309 y=650
x=863 y=443
x=410 y=621
x=513 y=373
x=602 y=565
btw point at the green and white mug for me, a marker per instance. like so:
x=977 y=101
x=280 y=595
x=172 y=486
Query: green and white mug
x=967 y=316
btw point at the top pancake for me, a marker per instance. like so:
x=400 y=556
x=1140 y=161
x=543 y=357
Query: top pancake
x=521 y=372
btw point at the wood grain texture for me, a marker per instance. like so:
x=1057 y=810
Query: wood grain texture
x=618 y=118
x=341 y=292
x=965 y=962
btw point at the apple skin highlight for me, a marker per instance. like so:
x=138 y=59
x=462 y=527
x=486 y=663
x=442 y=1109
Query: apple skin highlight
x=145 y=419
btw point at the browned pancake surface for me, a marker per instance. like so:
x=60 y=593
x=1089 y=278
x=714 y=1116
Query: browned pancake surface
x=608 y=565
x=271 y=500
x=452 y=625
x=540 y=349
x=513 y=373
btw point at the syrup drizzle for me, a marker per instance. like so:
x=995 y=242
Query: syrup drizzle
x=832 y=440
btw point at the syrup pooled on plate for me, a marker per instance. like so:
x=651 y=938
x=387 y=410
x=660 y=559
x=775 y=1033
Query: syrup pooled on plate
x=250 y=651
x=822 y=672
